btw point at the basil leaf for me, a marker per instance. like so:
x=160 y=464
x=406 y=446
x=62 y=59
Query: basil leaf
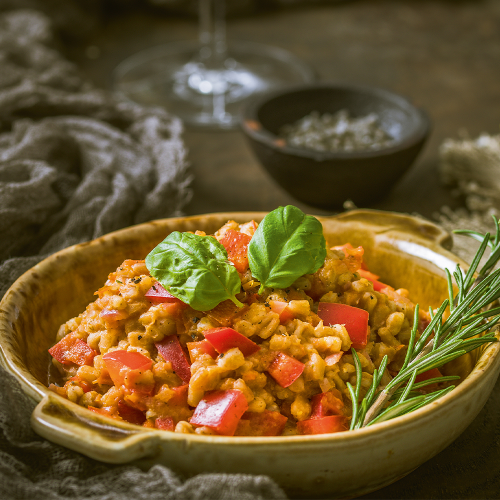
x=194 y=269
x=286 y=245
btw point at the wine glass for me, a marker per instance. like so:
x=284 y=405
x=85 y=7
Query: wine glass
x=205 y=82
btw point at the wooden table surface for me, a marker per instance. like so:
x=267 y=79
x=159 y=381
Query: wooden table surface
x=443 y=55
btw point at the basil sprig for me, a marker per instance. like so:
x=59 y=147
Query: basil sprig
x=286 y=245
x=194 y=269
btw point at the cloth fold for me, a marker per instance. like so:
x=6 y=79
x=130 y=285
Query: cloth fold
x=83 y=161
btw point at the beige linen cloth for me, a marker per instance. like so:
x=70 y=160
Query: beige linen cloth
x=76 y=163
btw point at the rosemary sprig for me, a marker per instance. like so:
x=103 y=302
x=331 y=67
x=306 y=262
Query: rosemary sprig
x=471 y=316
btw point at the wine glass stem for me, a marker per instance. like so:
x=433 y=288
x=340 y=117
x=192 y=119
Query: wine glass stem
x=212 y=34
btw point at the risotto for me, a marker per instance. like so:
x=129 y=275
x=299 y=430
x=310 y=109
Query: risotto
x=274 y=362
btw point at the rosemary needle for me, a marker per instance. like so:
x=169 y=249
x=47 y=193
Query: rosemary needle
x=471 y=316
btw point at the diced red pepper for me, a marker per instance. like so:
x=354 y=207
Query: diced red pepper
x=72 y=350
x=354 y=319
x=281 y=308
x=165 y=423
x=364 y=273
x=324 y=425
x=132 y=415
x=285 y=369
x=198 y=348
x=377 y=285
x=267 y=423
x=433 y=373
x=224 y=339
x=126 y=367
x=221 y=411
x=236 y=245
x=158 y=294
x=326 y=404
x=171 y=350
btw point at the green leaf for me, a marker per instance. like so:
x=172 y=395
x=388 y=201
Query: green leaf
x=194 y=269
x=286 y=245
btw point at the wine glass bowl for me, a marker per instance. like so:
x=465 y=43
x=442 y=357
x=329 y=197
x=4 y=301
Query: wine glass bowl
x=202 y=92
x=327 y=179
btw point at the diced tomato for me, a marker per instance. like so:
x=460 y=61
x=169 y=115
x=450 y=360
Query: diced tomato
x=285 y=369
x=267 y=423
x=225 y=312
x=132 y=415
x=326 y=404
x=171 y=350
x=165 y=423
x=324 y=425
x=224 y=339
x=333 y=359
x=236 y=245
x=158 y=294
x=354 y=319
x=433 y=373
x=377 y=285
x=281 y=308
x=72 y=350
x=125 y=368
x=198 y=348
x=221 y=411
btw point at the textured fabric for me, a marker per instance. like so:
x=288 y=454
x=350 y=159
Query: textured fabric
x=75 y=163
x=472 y=168
x=83 y=162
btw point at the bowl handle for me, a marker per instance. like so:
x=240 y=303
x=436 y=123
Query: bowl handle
x=96 y=436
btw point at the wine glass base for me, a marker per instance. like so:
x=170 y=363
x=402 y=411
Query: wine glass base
x=172 y=76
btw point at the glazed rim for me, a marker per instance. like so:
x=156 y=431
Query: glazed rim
x=255 y=129
x=38 y=391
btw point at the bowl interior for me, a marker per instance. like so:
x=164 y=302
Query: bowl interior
x=397 y=116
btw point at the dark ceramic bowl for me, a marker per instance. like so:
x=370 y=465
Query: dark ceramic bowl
x=328 y=179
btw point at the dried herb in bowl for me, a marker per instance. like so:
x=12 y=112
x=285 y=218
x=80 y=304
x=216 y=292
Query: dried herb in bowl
x=336 y=132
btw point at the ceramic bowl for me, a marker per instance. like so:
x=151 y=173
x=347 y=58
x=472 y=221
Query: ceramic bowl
x=405 y=251
x=328 y=179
